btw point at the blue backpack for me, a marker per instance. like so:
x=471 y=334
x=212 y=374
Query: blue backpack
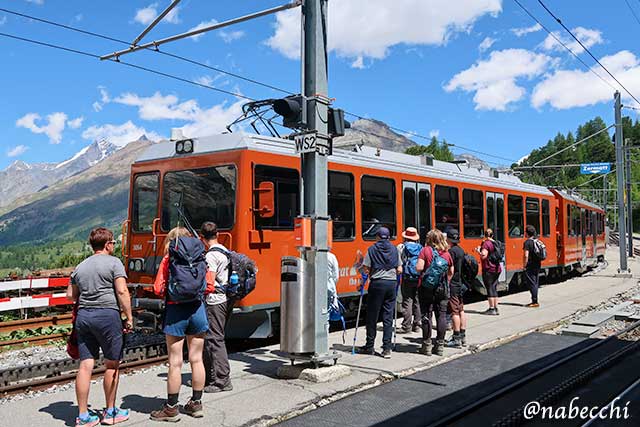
x=437 y=271
x=411 y=251
x=187 y=270
x=336 y=313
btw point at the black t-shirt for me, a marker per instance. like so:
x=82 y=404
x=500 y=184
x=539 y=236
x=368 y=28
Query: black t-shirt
x=533 y=261
x=457 y=255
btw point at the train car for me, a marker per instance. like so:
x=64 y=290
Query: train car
x=580 y=232
x=222 y=178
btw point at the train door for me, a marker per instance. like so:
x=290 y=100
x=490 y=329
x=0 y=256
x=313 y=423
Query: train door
x=495 y=221
x=416 y=207
x=583 y=233
x=142 y=247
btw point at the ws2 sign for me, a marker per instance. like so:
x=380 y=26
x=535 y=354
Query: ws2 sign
x=310 y=143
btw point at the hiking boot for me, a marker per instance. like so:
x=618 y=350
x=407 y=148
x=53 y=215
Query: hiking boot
x=386 y=353
x=533 y=305
x=194 y=408
x=404 y=330
x=438 y=349
x=217 y=389
x=89 y=421
x=168 y=413
x=454 y=342
x=117 y=415
x=416 y=328
x=426 y=349
x=463 y=339
x=365 y=350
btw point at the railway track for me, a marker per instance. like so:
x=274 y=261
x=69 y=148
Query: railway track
x=553 y=384
x=36 y=340
x=35 y=322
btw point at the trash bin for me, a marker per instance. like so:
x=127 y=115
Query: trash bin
x=297 y=333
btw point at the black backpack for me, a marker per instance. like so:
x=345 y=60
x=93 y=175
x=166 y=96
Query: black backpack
x=469 y=270
x=497 y=255
x=187 y=270
x=246 y=270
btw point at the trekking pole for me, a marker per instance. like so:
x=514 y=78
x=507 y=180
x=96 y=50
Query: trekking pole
x=395 y=309
x=355 y=334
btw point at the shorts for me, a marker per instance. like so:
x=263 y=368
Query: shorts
x=455 y=305
x=185 y=319
x=99 y=328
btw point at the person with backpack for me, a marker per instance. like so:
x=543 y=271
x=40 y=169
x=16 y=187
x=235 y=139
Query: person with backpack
x=382 y=264
x=409 y=251
x=491 y=252
x=436 y=266
x=219 y=308
x=455 y=305
x=534 y=253
x=181 y=280
x=98 y=285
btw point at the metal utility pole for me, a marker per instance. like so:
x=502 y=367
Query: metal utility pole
x=314 y=165
x=605 y=194
x=629 y=198
x=620 y=177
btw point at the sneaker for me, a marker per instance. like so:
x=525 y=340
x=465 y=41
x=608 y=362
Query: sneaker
x=533 y=305
x=416 y=328
x=168 y=413
x=491 y=312
x=117 y=415
x=365 y=350
x=463 y=339
x=194 y=408
x=90 y=421
x=217 y=389
x=386 y=353
x=454 y=342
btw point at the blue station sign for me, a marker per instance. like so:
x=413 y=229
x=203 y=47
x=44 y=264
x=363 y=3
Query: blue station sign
x=594 y=168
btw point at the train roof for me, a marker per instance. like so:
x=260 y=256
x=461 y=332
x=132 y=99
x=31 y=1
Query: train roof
x=364 y=157
x=577 y=199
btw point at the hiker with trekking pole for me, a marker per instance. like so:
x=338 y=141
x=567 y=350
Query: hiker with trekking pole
x=409 y=250
x=382 y=264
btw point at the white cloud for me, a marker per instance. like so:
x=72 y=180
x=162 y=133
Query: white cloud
x=355 y=26
x=173 y=16
x=486 y=44
x=434 y=132
x=119 y=135
x=79 y=17
x=3 y=20
x=159 y=107
x=588 y=37
x=230 y=36
x=38 y=2
x=146 y=15
x=494 y=80
x=358 y=63
x=53 y=129
x=519 y=32
x=104 y=99
x=17 y=150
x=226 y=36
x=97 y=107
x=75 y=123
x=579 y=88
x=213 y=120
x=204 y=80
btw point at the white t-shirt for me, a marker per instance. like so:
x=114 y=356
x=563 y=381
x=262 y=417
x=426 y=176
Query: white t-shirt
x=333 y=274
x=219 y=263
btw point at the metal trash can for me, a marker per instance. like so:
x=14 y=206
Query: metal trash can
x=297 y=333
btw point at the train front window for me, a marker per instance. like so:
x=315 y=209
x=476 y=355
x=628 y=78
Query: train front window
x=286 y=183
x=206 y=194
x=145 y=202
x=515 y=211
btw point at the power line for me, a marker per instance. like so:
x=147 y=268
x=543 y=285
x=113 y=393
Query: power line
x=128 y=64
x=588 y=51
x=632 y=11
x=564 y=45
x=573 y=145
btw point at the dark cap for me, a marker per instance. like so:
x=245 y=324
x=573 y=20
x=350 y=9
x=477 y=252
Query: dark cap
x=383 y=233
x=453 y=235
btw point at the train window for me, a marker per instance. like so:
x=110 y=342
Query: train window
x=286 y=183
x=409 y=207
x=499 y=233
x=206 y=194
x=472 y=212
x=424 y=212
x=546 y=218
x=144 y=208
x=378 y=206
x=533 y=213
x=575 y=221
x=446 y=202
x=515 y=210
x=341 y=205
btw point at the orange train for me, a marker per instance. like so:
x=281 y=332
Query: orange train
x=225 y=178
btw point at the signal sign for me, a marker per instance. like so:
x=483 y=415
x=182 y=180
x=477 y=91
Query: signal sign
x=594 y=168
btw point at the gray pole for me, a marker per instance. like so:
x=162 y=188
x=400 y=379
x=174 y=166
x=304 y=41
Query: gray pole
x=314 y=165
x=620 y=177
x=629 y=198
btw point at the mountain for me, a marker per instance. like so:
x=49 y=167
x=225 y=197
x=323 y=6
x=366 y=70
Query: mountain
x=373 y=133
x=69 y=208
x=474 y=162
x=21 y=179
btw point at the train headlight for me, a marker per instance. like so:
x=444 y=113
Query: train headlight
x=188 y=146
x=138 y=265
x=132 y=265
x=184 y=146
x=180 y=147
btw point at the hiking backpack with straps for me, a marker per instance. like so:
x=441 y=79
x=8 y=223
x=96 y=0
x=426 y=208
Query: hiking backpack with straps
x=436 y=273
x=411 y=251
x=187 y=270
x=539 y=249
x=497 y=255
x=246 y=270
x=469 y=270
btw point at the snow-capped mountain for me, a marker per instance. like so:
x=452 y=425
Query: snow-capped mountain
x=20 y=178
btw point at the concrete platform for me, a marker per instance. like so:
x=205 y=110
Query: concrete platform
x=580 y=330
x=260 y=398
x=595 y=319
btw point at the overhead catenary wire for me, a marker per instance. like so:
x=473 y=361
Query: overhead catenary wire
x=559 y=21
x=632 y=11
x=573 y=145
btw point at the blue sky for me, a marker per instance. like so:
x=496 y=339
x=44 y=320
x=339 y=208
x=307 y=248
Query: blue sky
x=476 y=72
